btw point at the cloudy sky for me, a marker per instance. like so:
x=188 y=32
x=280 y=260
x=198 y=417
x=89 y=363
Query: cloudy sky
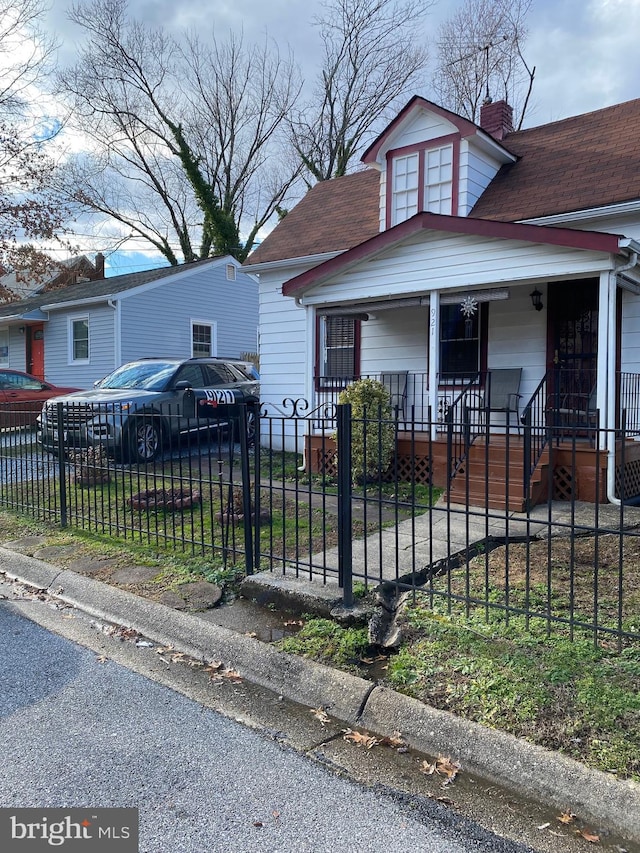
x=585 y=51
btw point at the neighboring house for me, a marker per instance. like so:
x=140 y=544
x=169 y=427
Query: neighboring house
x=20 y=284
x=76 y=334
x=460 y=250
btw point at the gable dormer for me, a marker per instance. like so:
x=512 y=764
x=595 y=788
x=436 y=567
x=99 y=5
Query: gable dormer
x=432 y=160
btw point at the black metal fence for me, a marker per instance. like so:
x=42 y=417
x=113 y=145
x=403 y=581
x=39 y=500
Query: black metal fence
x=353 y=504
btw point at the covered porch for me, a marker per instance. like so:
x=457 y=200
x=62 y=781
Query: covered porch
x=492 y=448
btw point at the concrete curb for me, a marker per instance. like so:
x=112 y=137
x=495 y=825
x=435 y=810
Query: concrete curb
x=530 y=770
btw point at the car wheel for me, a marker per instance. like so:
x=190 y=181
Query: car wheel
x=145 y=440
x=251 y=428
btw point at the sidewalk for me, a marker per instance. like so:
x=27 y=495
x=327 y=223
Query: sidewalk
x=500 y=758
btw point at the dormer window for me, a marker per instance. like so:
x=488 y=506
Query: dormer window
x=438 y=180
x=421 y=181
x=405 y=187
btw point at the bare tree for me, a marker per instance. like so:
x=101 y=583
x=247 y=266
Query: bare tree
x=182 y=132
x=373 y=55
x=25 y=51
x=30 y=209
x=479 y=56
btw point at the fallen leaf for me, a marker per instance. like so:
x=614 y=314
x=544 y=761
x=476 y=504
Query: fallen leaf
x=251 y=634
x=443 y=766
x=395 y=741
x=276 y=815
x=566 y=817
x=258 y=823
x=360 y=739
x=213 y=667
x=102 y=659
x=290 y=622
x=320 y=715
x=588 y=836
x=427 y=768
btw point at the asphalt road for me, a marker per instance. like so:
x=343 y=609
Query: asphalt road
x=79 y=729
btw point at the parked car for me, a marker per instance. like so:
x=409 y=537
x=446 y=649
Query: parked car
x=22 y=396
x=145 y=404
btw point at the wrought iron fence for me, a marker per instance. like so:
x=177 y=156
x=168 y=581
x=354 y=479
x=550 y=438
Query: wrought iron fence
x=340 y=499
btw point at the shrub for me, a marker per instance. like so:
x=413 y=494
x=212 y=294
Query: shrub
x=373 y=428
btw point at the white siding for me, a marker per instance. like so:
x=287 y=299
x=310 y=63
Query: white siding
x=477 y=170
x=421 y=127
x=517 y=337
x=283 y=343
x=441 y=261
x=395 y=340
x=101 y=346
x=157 y=321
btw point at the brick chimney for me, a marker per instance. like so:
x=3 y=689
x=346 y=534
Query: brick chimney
x=497 y=119
x=99 y=265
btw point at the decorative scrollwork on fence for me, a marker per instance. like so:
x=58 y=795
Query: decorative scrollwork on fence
x=298 y=408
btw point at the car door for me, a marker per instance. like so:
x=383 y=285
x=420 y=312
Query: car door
x=191 y=374
x=23 y=395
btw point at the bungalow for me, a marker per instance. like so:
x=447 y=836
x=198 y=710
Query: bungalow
x=75 y=334
x=459 y=258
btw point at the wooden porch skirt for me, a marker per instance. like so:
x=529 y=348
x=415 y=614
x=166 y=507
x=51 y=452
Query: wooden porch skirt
x=574 y=472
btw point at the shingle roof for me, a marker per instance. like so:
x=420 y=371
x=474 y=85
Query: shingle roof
x=333 y=216
x=91 y=289
x=589 y=160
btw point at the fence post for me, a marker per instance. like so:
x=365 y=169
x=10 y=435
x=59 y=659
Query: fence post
x=526 y=467
x=345 y=532
x=242 y=422
x=61 y=472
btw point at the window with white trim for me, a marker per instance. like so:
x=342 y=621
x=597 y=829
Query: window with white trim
x=78 y=339
x=405 y=188
x=4 y=346
x=438 y=179
x=202 y=343
x=338 y=348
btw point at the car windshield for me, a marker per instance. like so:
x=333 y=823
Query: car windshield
x=149 y=375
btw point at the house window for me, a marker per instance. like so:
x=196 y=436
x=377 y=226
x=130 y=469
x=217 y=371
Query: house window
x=202 y=340
x=438 y=179
x=79 y=339
x=405 y=187
x=231 y=272
x=340 y=345
x=459 y=343
x=4 y=346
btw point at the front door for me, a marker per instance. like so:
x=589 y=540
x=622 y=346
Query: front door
x=572 y=341
x=35 y=350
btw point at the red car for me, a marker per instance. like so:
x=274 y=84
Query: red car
x=22 y=397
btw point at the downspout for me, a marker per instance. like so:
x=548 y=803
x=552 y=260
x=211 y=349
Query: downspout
x=611 y=400
x=116 y=304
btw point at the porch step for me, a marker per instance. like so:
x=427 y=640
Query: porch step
x=482 y=479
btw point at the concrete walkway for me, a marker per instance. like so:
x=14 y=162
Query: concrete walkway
x=449 y=529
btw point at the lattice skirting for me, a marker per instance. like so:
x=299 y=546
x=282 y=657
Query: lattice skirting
x=564 y=483
x=631 y=479
x=417 y=467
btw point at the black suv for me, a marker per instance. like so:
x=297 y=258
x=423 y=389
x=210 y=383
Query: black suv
x=145 y=404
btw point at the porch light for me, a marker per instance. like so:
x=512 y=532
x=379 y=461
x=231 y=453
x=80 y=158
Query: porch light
x=536 y=299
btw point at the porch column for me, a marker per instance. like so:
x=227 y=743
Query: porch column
x=310 y=355
x=434 y=358
x=606 y=359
